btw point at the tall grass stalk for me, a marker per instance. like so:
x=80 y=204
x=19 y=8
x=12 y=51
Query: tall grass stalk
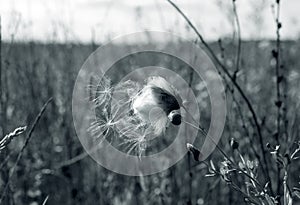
x=27 y=139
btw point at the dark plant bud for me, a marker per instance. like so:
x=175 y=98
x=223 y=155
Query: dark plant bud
x=278 y=103
x=279 y=79
x=176 y=120
x=196 y=152
x=234 y=144
x=268 y=145
x=274 y=53
x=175 y=117
x=131 y=112
x=279 y=25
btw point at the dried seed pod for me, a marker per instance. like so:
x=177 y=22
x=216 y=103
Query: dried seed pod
x=234 y=144
x=196 y=152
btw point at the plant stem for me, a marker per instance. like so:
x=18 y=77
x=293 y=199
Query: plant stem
x=239 y=48
x=229 y=159
x=189 y=154
x=234 y=82
x=278 y=81
x=28 y=137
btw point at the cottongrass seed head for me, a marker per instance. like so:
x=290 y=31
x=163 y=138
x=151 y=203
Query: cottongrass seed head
x=129 y=114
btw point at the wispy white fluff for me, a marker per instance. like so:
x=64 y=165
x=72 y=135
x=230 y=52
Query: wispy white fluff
x=147 y=108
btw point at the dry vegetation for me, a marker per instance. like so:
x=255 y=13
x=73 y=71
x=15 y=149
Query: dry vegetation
x=257 y=164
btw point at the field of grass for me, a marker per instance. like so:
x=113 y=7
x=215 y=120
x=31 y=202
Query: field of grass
x=34 y=72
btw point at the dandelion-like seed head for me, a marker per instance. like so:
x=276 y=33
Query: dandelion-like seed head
x=130 y=114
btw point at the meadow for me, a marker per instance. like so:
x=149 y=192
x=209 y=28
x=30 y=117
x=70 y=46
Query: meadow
x=54 y=168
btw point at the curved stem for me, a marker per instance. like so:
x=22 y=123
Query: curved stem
x=28 y=137
x=234 y=82
x=227 y=157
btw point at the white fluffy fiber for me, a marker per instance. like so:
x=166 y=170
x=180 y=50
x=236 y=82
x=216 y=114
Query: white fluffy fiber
x=145 y=104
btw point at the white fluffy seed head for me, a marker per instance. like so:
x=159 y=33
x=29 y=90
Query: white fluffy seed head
x=162 y=83
x=150 y=107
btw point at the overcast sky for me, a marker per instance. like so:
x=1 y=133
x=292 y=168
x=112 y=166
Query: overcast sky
x=84 y=20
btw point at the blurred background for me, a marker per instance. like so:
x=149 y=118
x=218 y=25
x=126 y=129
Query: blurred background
x=44 y=44
x=83 y=21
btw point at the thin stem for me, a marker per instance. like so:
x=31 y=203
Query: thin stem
x=5 y=160
x=237 y=65
x=74 y=159
x=45 y=200
x=28 y=137
x=277 y=58
x=189 y=154
x=246 y=131
x=278 y=81
x=234 y=186
x=234 y=82
x=227 y=157
x=217 y=146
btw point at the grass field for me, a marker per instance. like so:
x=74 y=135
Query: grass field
x=34 y=72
